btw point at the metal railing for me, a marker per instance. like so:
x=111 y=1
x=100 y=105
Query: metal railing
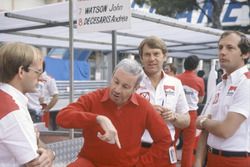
x=80 y=87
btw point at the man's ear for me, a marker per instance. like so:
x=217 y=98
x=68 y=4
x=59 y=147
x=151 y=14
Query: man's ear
x=20 y=71
x=246 y=55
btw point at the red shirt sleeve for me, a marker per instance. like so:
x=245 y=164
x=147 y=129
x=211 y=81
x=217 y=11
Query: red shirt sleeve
x=77 y=114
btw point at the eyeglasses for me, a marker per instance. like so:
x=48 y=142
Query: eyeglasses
x=38 y=72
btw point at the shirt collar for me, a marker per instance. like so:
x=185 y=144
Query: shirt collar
x=163 y=74
x=236 y=75
x=16 y=94
x=105 y=97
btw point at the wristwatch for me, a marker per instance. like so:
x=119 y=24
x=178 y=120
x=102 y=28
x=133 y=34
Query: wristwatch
x=202 y=120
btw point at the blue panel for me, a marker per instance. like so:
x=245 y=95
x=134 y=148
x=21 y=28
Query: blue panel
x=59 y=69
x=79 y=54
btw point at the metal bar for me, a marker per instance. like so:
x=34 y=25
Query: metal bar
x=189 y=43
x=34 y=27
x=71 y=49
x=114 y=50
x=67 y=39
x=142 y=36
x=29 y=18
x=185 y=50
x=46 y=23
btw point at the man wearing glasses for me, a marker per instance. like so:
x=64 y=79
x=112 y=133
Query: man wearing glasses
x=20 y=69
x=36 y=98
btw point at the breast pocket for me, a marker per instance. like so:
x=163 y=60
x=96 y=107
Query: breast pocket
x=227 y=102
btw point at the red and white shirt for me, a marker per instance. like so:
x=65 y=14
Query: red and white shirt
x=194 y=88
x=18 y=143
x=168 y=93
x=232 y=95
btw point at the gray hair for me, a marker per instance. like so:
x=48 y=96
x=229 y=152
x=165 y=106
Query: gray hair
x=131 y=66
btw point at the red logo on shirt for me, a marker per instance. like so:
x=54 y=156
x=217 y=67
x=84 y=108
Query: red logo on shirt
x=231 y=90
x=145 y=95
x=169 y=89
x=166 y=87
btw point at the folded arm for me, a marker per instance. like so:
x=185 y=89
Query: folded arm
x=157 y=154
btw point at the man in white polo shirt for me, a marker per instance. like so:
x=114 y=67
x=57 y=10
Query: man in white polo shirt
x=35 y=99
x=225 y=120
x=163 y=91
x=20 y=68
x=50 y=95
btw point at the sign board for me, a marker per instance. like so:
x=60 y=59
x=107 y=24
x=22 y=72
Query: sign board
x=103 y=15
x=234 y=13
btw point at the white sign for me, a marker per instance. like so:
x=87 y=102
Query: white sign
x=103 y=15
x=233 y=13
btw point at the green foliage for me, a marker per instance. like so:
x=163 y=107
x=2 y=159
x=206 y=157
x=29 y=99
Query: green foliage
x=170 y=7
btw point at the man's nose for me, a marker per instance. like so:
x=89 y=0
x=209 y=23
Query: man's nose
x=118 y=88
x=151 y=57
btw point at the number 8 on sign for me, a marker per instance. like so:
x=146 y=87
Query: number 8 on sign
x=79 y=22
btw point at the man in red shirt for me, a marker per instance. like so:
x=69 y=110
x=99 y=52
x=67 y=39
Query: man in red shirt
x=194 y=90
x=113 y=120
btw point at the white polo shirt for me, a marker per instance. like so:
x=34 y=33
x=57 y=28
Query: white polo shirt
x=18 y=143
x=50 y=87
x=232 y=95
x=34 y=98
x=168 y=93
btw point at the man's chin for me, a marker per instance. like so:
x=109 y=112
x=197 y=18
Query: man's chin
x=32 y=91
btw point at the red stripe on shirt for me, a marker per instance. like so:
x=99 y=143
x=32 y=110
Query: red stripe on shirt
x=7 y=104
x=247 y=74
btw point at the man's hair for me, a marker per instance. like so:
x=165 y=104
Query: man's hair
x=131 y=66
x=153 y=42
x=171 y=66
x=191 y=62
x=220 y=71
x=201 y=73
x=244 y=43
x=16 y=55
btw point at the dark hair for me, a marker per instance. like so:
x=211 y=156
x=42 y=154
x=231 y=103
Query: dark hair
x=244 y=43
x=220 y=71
x=201 y=73
x=191 y=62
